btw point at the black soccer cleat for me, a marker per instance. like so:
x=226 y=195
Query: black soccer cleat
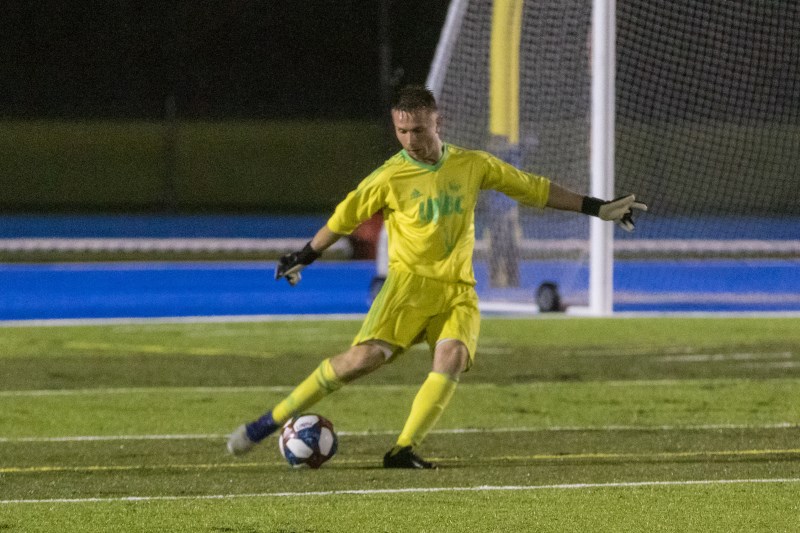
x=405 y=458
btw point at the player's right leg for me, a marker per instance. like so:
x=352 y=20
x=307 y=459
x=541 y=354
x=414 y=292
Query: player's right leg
x=328 y=377
x=450 y=359
x=453 y=336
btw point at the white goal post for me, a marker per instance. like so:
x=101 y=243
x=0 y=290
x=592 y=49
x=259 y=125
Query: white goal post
x=601 y=152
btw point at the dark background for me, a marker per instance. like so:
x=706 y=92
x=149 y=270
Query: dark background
x=323 y=58
x=280 y=106
x=215 y=58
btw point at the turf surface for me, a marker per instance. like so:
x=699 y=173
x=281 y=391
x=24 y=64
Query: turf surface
x=563 y=425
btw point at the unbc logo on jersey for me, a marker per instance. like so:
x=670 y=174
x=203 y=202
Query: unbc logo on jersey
x=445 y=205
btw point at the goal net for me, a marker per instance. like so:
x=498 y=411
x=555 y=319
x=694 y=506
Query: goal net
x=708 y=129
x=707 y=133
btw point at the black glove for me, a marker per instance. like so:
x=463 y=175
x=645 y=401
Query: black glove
x=620 y=210
x=290 y=265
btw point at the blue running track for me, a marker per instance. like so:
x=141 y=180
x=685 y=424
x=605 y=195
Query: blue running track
x=173 y=289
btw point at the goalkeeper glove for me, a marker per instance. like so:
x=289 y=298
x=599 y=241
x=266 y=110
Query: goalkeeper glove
x=620 y=210
x=290 y=265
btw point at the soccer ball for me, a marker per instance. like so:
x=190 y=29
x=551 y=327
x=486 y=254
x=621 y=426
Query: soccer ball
x=308 y=440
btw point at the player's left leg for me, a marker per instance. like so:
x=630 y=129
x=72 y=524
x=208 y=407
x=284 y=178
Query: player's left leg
x=328 y=377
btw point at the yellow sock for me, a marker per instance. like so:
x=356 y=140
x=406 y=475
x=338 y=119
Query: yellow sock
x=316 y=386
x=428 y=405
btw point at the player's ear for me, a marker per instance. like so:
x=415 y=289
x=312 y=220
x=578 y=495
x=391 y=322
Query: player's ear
x=438 y=123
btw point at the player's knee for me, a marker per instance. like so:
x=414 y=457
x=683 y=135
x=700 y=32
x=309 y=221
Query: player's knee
x=357 y=361
x=451 y=357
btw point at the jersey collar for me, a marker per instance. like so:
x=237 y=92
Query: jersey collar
x=420 y=164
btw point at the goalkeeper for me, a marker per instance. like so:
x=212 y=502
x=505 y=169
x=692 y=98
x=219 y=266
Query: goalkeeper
x=427 y=193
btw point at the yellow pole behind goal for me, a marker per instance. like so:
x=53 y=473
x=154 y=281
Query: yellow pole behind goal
x=501 y=213
x=504 y=70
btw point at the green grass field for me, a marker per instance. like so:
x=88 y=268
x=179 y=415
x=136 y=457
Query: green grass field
x=630 y=424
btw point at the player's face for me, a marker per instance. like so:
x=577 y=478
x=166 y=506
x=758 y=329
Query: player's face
x=418 y=133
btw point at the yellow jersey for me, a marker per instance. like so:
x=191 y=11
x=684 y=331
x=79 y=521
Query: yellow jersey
x=429 y=210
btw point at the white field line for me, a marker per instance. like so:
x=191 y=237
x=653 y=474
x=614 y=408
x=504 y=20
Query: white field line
x=140 y=390
x=416 y=490
x=355 y=387
x=718 y=357
x=50 y=322
x=53 y=322
x=774 y=364
x=453 y=431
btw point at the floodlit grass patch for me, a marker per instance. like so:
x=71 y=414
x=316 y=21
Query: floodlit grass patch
x=566 y=428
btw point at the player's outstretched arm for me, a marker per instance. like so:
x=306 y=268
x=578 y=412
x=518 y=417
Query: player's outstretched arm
x=290 y=265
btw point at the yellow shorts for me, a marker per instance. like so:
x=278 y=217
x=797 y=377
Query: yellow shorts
x=410 y=309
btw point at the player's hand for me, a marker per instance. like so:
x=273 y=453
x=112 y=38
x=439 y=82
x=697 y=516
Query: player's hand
x=290 y=265
x=619 y=210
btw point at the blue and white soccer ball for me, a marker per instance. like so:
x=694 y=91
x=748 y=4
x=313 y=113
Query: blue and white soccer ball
x=308 y=440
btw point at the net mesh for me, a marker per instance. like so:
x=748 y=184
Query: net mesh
x=708 y=134
x=708 y=130
x=521 y=248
